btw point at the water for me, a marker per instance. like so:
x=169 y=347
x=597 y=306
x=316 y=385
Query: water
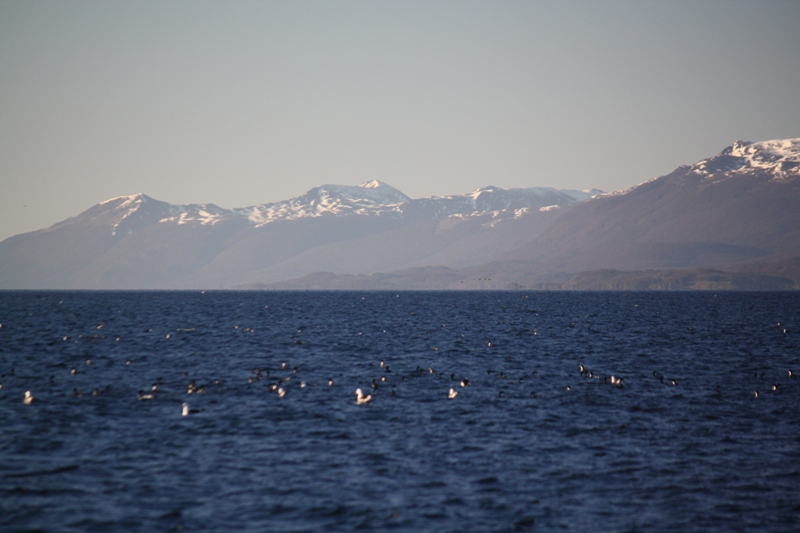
x=529 y=444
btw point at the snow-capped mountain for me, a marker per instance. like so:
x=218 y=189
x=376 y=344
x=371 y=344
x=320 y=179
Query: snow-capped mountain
x=739 y=206
x=776 y=159
x=127 y=214
x=137 y=241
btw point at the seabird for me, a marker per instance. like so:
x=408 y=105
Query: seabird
x=186 y=411
x=464 y=382
x=144 y=396
x=361 y=398
x=452 y=394
x=28 y=399
x=281 y=392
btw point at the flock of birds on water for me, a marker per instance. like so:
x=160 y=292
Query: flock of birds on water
x=279 y=385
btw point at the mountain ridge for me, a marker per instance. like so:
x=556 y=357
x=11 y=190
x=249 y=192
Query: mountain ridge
x=717 y=215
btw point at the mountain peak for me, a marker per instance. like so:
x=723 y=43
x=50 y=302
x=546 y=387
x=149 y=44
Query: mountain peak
x=127 y=200
x=779 y=157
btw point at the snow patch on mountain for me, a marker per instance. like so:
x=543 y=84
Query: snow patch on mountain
x=126 y=207
x=369 y=198
x=780 y=157
x=372 y=198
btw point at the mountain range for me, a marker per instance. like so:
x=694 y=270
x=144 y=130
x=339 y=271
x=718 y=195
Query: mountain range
x=731 y=221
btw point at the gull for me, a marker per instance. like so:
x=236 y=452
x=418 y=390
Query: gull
x=361 y=398
x=186 y=411
x=452 y=394
x=28 y=399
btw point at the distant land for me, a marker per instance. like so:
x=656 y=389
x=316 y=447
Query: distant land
x=729 y=222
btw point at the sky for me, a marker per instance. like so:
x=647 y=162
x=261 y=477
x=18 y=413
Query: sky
x=239 y=103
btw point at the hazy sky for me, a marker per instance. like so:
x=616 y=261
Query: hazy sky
x=241 y=103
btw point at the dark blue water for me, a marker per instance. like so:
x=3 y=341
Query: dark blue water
x=529 y=444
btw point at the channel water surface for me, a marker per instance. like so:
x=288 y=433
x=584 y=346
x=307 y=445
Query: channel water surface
x=698 y=430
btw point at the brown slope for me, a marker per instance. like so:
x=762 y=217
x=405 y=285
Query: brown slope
x=679 y=220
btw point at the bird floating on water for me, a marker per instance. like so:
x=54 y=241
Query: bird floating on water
x=28 y=399
x=186 y=411
x=361 y=398
x=143 y=396
x=452 y=394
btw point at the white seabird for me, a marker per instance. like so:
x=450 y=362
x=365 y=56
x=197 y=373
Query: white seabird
x=361 y=398
x=186 y=411
x=28 y=399
x=452 y=394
